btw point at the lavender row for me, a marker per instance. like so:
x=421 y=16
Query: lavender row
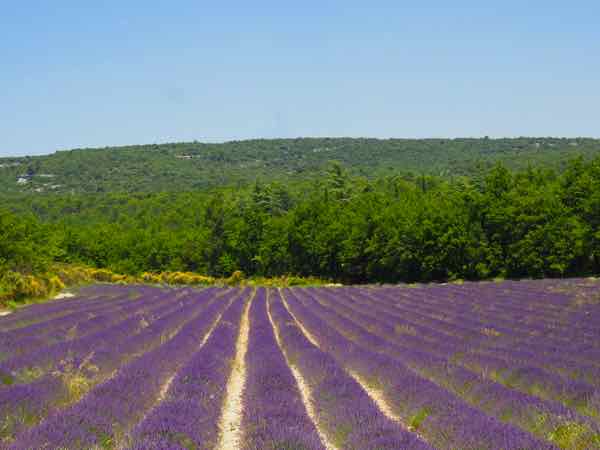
x=343 y=409
x=445 y=420
x=55 y=352
x=470 y=326
x=85 y=298
x=525 y=365
x=274 y=415
x=524 y=315
x=437 y=302
x=509 y=366
x=91 y=361
x=72 y=326
x=63 y=321
x=523 y=295
x=479 y=339
x=524 y=372
x=70 y=316
x=533 y=380
x=188 y=417
x=458 y=378
x=42 y=311
x=517 y=313
x=512 y=360
x=452 y=298
x=104 y=416
x=540 y=417
x=131 y=330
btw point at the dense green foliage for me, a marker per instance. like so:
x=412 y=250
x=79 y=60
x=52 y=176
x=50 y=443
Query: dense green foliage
x=196 y=166
x=531 y=223
x=25 y=244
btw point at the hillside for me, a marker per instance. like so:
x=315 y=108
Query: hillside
x=201 y=166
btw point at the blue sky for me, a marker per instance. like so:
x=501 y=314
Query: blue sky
x=83 y=74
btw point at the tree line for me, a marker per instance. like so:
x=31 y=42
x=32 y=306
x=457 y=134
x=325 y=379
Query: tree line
x=343 y=227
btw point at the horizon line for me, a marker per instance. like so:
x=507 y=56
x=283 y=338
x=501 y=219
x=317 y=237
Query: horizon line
x=221 y=141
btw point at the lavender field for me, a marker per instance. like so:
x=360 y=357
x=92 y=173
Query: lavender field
x=510 y=365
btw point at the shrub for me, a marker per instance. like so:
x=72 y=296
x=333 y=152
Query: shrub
x=235 y=279
x=56 y=284
x=102 y=275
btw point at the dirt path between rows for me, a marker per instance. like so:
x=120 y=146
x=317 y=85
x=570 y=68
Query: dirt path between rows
x=231 y=420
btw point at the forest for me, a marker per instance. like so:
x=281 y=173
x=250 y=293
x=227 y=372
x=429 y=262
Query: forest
x=536 y=222
x=197 y=166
